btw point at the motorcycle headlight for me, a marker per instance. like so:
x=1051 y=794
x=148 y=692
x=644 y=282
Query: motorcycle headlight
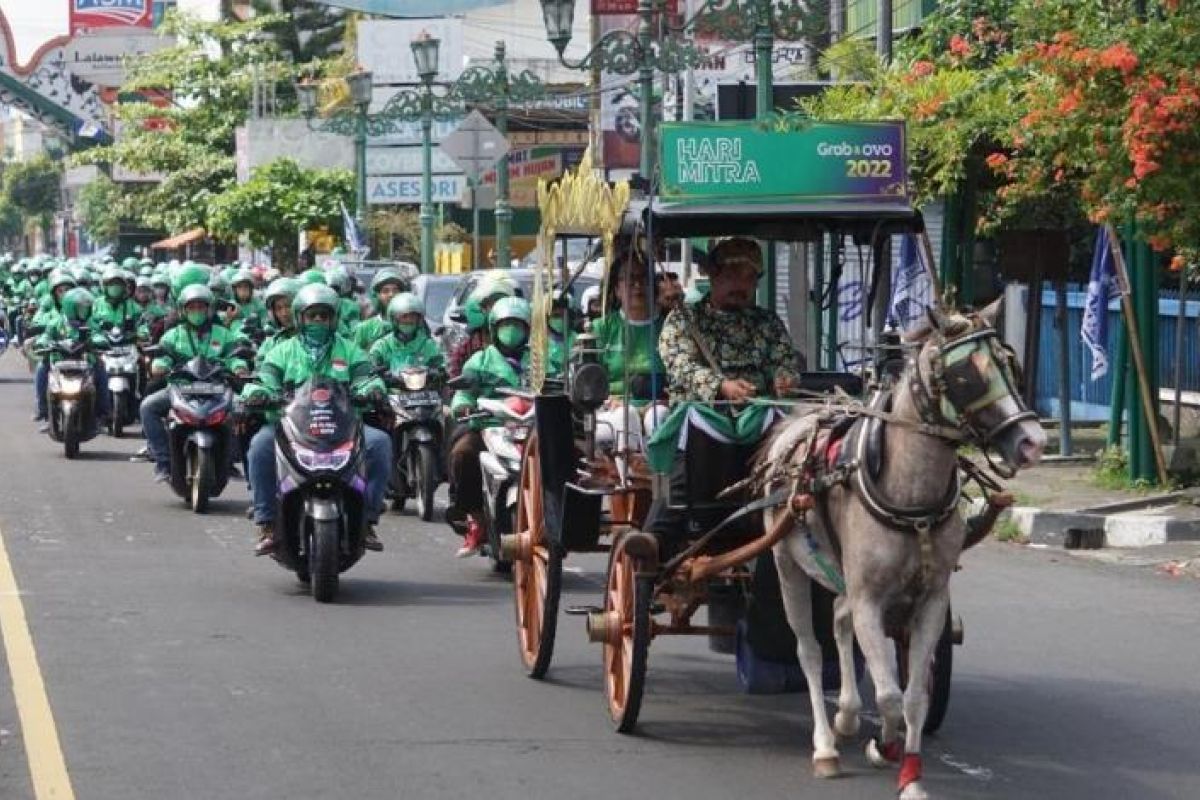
x=333 y=460
x=415 y=381
x=500 y=441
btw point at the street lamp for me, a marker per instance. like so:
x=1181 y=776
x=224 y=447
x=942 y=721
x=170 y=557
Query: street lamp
x=495 y=86
x=425 y=54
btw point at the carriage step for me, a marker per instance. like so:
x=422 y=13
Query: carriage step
x=581 y=611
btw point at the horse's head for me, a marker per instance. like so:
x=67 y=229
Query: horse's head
x=966 y=378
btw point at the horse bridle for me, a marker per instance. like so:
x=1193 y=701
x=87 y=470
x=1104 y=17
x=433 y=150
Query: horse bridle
x=965 y=394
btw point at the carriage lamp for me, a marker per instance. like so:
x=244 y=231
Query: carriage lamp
x=425 y=54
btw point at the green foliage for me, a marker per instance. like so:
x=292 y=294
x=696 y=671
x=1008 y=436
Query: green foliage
x=32 y=187
x=103 y=205
x=278 y=201
x=12 y=225
x=304 y=31
x=399 y=229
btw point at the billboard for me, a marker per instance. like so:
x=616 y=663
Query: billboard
x=92 y=14
x=100 y=57
x=267 y=139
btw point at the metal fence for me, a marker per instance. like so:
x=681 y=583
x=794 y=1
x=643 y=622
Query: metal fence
x=1090 y=399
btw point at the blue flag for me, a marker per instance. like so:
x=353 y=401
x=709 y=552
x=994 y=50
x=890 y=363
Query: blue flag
x=912 y=291
x=1095 y=310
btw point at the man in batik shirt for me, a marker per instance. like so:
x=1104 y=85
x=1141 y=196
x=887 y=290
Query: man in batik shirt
x=724 y=347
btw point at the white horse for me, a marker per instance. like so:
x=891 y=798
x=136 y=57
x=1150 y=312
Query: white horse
x=895 y=530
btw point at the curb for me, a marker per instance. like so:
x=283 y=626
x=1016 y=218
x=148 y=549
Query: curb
x=1127 y=529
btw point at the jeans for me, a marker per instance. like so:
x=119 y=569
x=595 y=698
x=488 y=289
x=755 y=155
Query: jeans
x=264 y=479
x=153 y=412
x=103 y=398
x=41 y=382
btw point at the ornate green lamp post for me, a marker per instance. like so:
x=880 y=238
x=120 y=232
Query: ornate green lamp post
x=425 y=54
x=495 y=86
x=353 y=122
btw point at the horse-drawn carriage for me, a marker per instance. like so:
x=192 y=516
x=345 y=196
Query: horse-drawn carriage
x=684 y=513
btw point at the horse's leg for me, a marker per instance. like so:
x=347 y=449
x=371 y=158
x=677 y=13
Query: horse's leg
x=849 y=701
x=797 y=605
x=879 y=653
x=927 y=625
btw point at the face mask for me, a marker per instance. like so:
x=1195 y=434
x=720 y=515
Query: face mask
x=316 y=333
x=406 y=330
x=114 y=292
x=511 y=336
x=196 y=318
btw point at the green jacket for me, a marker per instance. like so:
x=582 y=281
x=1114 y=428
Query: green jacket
x=255 y=308
x=105 y=315
x=58 y=330
x=492 y=371
x=392 y=354
x=183 y=343
x=349 y=315
x=289 y=364
x=370 y=331
x=628 y=348
x=272 y=341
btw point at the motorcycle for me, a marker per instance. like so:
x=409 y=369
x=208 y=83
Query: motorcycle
x=417 y=430
x=199 y=433
x=500 y=463
x=321 y=514
x=71 y=396
x=121 y=362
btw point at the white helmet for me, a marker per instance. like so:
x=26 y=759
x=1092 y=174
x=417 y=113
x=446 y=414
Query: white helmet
x=587 y=296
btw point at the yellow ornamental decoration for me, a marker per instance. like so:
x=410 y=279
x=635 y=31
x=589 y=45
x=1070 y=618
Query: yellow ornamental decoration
x=580 y=203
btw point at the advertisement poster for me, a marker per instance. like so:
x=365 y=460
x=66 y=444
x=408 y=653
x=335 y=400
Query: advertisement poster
x=94 y=14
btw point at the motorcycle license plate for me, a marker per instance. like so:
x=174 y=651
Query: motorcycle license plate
x=73 y=366
x=420 y=399
x=202 y=388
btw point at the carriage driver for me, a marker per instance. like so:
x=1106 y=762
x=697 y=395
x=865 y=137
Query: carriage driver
x=724 y=347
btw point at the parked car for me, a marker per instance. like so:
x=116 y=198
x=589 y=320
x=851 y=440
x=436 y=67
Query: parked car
x=437 y=292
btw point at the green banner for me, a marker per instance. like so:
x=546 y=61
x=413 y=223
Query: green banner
x=747 y=162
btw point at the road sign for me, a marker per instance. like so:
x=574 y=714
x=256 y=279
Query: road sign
x=406 y=189
x=406 y=160
x=475 y=145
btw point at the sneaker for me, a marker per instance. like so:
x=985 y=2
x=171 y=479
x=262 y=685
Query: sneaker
x=473 y=541
x=162 y=475
x=39 y=416
x=266 y=540
x=141 y=456
x=43 y=427
x=371 y=540
x=235 y=472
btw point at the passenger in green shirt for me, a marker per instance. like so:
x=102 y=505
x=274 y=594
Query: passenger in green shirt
x=409 y=344
x=386 y=284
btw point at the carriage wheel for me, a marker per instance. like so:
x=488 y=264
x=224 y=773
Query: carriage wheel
x=939 y=674
x=537 y=570
x=627 y=606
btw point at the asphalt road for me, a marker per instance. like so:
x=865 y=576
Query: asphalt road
x=178 y=666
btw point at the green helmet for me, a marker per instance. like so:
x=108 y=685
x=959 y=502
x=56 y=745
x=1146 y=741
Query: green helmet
x=280 y=288
x=491 y=288
x=144 y=282
x=196 y=292
x=145 y=271
x=309 y=297
x=77 y=305
x=382 y=278
x=60 y=277
x=189 y=274
x=130 y=263
x=219 y=286
x=241 y=276
x=312 y=277
x=405 y=303
x=510 y=308
x=339 y=280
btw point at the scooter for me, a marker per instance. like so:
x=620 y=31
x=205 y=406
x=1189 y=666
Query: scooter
x=418 y=430
x=71 y=396
x=199 y=431
x=321 y=518
x=121 y=362
x=500 y=463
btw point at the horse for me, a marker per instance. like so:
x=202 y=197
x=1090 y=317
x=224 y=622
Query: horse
x=893 y=524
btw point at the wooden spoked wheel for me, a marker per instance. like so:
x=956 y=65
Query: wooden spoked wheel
x=627 y=645
x=537 y=570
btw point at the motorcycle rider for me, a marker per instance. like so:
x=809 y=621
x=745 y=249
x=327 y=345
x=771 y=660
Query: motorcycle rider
x=349 y=313
x=478 y=305
x=115 y=308
x=317 y=349
x=500 y=364
x=410 y=343
x=195 y=335
x=61 y=282
x=70 y=325
x=386 y=284
x=249 y=307
x=280 y=324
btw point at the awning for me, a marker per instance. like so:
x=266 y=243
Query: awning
x=179 y=240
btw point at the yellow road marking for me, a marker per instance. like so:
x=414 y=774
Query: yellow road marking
x=47 y=766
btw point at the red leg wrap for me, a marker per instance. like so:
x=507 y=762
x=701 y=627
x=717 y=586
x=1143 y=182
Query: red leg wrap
x=910 y=770
x=892 y=751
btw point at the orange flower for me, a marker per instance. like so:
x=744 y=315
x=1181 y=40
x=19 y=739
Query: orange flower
x=959 y=46
x=922 y=68
x=1119 y=57
x=1178 y=263
x=996 y=161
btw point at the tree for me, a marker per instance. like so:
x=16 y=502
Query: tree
x=103 y=205
x=303 y=30
x=191 y=104
x=279 y=201
x=32 y=189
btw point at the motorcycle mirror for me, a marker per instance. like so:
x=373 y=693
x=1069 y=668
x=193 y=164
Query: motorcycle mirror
x=462 y=382
x=459 y=315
